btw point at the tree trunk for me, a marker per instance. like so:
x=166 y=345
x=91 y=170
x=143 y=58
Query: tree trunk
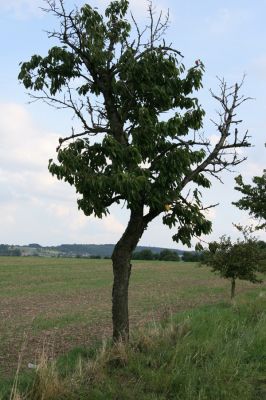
x=121 y=269
x=233 y=287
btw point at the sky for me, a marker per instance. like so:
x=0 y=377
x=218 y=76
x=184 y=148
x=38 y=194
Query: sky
x=228 y=36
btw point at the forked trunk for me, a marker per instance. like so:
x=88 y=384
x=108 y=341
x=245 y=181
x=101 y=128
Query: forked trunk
x=122 y=269
x=233 y=288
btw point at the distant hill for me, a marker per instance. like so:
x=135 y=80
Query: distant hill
x=103 y=250
x=79 y=250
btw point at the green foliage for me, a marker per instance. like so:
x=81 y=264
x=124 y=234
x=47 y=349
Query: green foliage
x=262 y=255
x=6 y=250
x=141 y=159
x=164 y=255
x=145 y=254
x=233 y=261
x=168 y=255
x=192 y=256
x=254 y=199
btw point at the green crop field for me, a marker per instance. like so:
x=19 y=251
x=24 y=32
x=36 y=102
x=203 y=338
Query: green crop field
x=58 y=304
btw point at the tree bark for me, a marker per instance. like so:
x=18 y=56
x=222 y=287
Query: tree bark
x=233 y=287
x=121 y=270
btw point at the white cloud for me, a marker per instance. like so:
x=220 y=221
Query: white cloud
x=77 y=220
x=59 y=210
x=7 y=214
x=111 y=224
x=21 y=8
x=34 y=205
x=22 y=143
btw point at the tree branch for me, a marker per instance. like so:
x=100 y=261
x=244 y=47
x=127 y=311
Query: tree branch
x=230 y=101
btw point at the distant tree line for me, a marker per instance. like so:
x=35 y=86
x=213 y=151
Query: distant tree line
x=192 y=256
x=164 y=255
x=167 y=255
x=6 y=250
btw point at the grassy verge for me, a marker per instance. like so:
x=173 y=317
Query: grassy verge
x=210 y=352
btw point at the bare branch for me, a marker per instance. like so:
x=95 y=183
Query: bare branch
x=157 y=28
x=219 y=159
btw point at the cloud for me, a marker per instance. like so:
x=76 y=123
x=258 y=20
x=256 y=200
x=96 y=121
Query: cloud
x=21 y=8
x=59 y=210
x=77 y=220
x=34 y=206
x=7 y=213
x=111 y=224
x=23 y=144
x=74 y=226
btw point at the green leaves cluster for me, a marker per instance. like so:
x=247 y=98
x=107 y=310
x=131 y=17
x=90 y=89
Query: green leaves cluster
x=51 y=72
x=254 y=199
x=84 y=44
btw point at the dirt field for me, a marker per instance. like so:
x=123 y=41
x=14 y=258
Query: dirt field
x=58 y=304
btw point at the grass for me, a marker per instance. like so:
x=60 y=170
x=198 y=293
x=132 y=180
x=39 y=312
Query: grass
x=211 y=352
x=61 y=304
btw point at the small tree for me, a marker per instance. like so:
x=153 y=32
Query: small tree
x=233 y=261
x=133 y=92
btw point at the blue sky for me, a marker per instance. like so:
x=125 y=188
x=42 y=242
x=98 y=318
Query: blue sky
x=229 y=37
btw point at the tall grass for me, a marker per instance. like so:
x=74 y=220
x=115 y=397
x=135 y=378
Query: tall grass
x=215 y=352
